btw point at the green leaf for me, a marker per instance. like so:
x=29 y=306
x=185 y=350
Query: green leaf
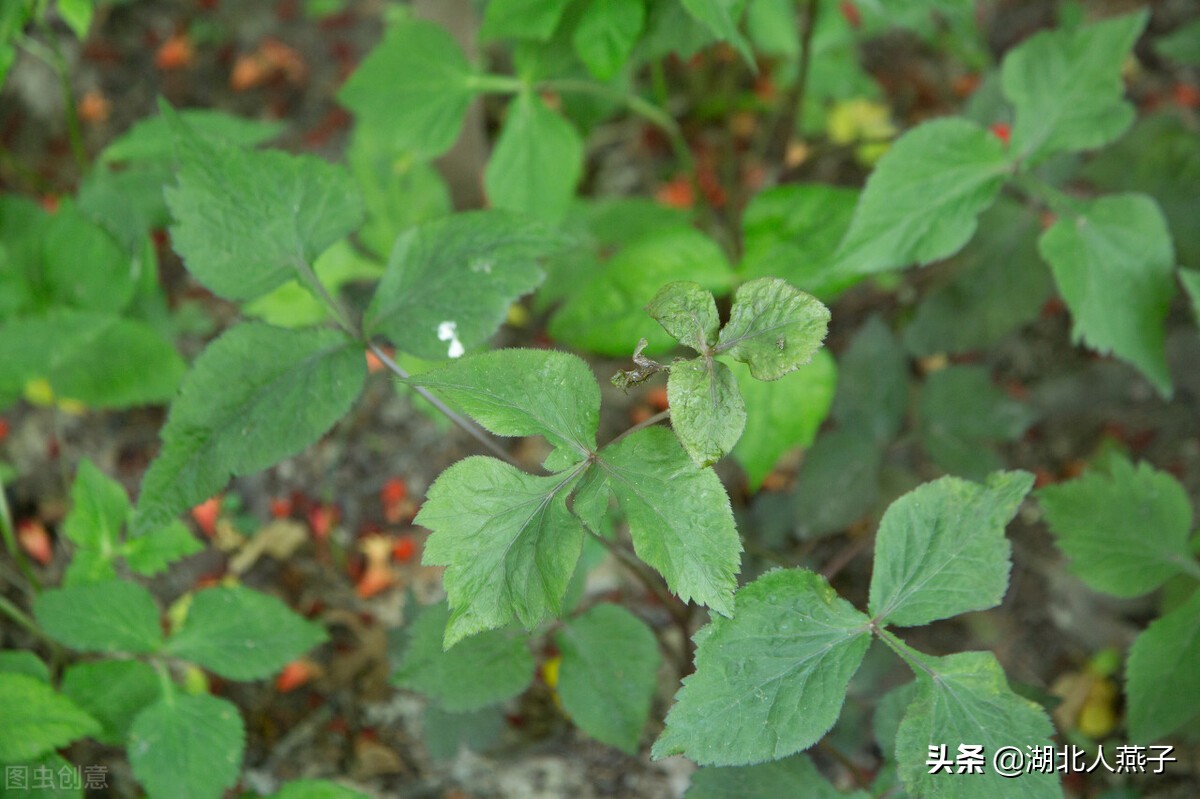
x=1000 y=284
x=108 y=282
x=792 y=232
x=721 y=17
x=770 y=681
x=606 y=33
x=415 y=85
x=1126 y=532
x=112 y=692
x=1066 y=87
x=1190 y=278
x=537 y=161
x=22 y=662
x=679 y=516
x=517 y=392
x=37 y=720
x=78 y=16
x=964 y=699
x=255 y=396
x=872 y=390
x=962 y=414
x=773 y=328
x=99 y=360
x=445 y=733
x=152 y=552
x=1182 y=45
x=606 y=314
x=792 y=776
x=150 y=139
x=608 y=674
x=889 y=712
x=782 y=414
x=941 y=549
x=99 y=508
x=247 y=222
x=707 y=410
x=1161 y=672
x=480 y=671
x=521 y=19
x=40 y=782
x=115 y=616
x=450 y=282
x=292 y=305
x=242 y=634
x=921 y=202
x=508 y=542
x=838 y=483
x=187 y=747
x=670 y=29
x=1114 y=267
x=688 y=313
x=316 y=789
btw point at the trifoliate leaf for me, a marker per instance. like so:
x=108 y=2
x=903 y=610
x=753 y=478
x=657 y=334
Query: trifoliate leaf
x=1114 y=267
x=1066 y=87
x=242 y=634
x=521 y=19
x=782 y=414
x=536 y=163
x=606 y=33
x=872 y=390
x=964 y=700
x=707 y=410
x=482 y=670
x=921 y=202
x=415 y=85
x=516 y=392
x=449 y=282
x=962 y=414
x=247 y=222
x=607 y=314
x=721 y=17
x=608 y=674
x=186 y=746
x=1126 y=532
x=679 y=516
x=770 y=681
x=38 y=720
x=773 y=327
x=113 y=692
x=115 y=616
x=792 y=232
x=1162 y=671
x=688 y=313
x=508 y=542
x=792 y=776
x=941 y=549
x=255 y=396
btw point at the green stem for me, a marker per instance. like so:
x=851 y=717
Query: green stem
x=52 y=54
x=900 y=648
x=791 y=110
x=1040 y=191
x=165 y=681
x=7 y=608
x=10 y=543
x=496 y=84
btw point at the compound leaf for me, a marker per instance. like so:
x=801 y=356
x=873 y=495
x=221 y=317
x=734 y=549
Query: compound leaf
x=964 y=699
x=37 y=719
x=1114 y=266
x=517 y=392
x=679 y=516
x=242 y=634
x=482 y=670
x=688 y=313
x=773 y=327
x=247 y=222
x=921 y=202
x=114 y=616
x=707 y=410
x=941 y=549
x=1066 y=87
x=187 y=747
x=536 y=162
x=450 y=282
x=1162 y=670
x=416 y=85
x=112 y=692
x=255 y=396
x=792 y=776
x=1126 y=532
x=770 y=681
x=508 y=542
x=608 y=673
x=606 y=33
x=782 y=414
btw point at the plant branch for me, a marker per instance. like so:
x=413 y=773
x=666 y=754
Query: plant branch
x=791 y=110
x=7 y=608
x=10 y=542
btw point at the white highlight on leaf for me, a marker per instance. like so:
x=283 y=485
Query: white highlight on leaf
x=448 y=331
